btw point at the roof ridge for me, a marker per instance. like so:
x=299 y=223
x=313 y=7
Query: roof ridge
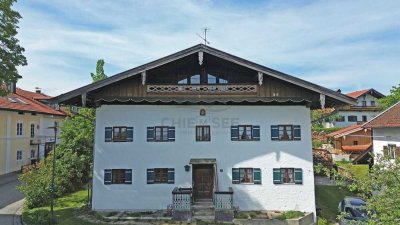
x=380 y=114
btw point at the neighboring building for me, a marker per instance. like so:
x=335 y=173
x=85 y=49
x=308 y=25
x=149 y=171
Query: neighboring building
x=24 y=135
x=207 y=120
x=386 y=132
x=367 y=107
x=354 y=141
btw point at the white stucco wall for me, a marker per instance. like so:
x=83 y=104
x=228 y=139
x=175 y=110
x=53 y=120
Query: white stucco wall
x=359 y=114
x=265 y=154
x=368 y=98
x=383 y=137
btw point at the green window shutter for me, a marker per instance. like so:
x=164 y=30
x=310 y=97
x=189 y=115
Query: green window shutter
x=150 y=176
x=296 y=132
x=298 y=176
x=235 y=176
x=128 y=176
x=150 y=134
x=256 y=133
x=257 y=175
x=171 y=175
x=171 y=133
x=277 y=176
x=107 y=176
x=129 y=134
x=234 y=133
x=274 y=132
x=108 y=134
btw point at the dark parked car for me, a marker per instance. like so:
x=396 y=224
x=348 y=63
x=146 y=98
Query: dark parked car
x=354 y=209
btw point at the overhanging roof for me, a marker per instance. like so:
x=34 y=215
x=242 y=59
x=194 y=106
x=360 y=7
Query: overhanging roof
x=212 y=51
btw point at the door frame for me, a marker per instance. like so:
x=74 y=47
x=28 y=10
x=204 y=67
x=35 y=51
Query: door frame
x=198 y=166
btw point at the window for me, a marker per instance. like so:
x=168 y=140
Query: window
x=340 y=119
x=19 y=129
x=288 y=175
x=364 y=118
x=355 y=142
x=245 y=133
x=119 y=134
x=364 y=103
x=211 y=79
x=118 y=176
x=392 y=151
x=19 y=155
x=222 y=81
x=161 y=176
x=246 y=176
x=373 y=103
x=160 y=134
x=203 y=133
x=32 y=130
x=285 y=132
x=184 y=81
x=195 y=79
x=33 y=154
x=352 y=118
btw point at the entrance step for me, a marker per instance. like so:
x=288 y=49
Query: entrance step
x=203 y=210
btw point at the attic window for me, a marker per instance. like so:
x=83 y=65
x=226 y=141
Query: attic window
x=222 y=81
x=195 y=79
x=11 y=100
x=184 y=81
x=211 y=79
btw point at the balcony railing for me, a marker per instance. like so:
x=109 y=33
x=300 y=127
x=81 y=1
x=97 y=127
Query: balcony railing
x=182 y=198
x=223 y=199
x=203 y=89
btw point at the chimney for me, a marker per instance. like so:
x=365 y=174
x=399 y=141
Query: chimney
x=12 y=87
x=339 y=91
x=38 y=90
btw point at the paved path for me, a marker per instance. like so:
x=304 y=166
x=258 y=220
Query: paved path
x=320 y=180
x=11 y=200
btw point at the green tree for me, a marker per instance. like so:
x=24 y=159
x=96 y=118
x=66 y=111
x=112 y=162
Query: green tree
x=10 y=51
x=380 y=188
x=392 y=98
x=100 y=75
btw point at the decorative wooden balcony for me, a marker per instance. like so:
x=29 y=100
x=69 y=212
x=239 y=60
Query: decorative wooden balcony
x=203 y=89
x=223 y=200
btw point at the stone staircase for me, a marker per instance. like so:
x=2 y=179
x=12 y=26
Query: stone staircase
x=203 y=210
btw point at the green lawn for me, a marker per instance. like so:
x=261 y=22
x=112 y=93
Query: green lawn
x=66 y=210
x=327 y=199
x=359 y=171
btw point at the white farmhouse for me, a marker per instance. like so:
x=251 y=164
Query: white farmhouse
x=208 y=125
x=386 y=132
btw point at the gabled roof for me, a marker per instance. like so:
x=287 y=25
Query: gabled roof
x=388 y=118
x=32 y=95
x=24 y=100
x=212 y=51
x=370 y=91
x=356 y=148
x=345 y=131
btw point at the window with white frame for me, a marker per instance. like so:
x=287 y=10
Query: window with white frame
x=19 y=155
x=19 y=128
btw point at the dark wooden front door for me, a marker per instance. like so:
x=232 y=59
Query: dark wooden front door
x=203 y=181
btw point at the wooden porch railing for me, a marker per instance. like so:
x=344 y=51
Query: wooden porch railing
x=182 y=198
x=203 y=89
x=223 y=199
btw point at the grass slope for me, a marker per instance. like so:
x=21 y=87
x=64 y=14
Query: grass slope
x=327 y=199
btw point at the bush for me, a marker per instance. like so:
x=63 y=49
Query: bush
x=316 y=143
x=35 y=184
x=290 y=215
x=326 y=130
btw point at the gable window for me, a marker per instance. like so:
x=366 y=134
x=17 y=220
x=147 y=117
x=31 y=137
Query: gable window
x=117 y=176
x=372 y=103
x=288 y=175
x=246 y=175
x=184 y=81
x=119 y=134
x=364 y=103
x=19 y=129
x=352 y=118
x=33 y=154
x=211 y=79
x=355 y=142
x=195 y=79
x=285 y=132
x=19 y=155
x=203 y=133
x=222 y=81
x=161 y=176
x=32 y=130
x=392 y=151
x=245 y=133
x=160 y=134
x=364 y=118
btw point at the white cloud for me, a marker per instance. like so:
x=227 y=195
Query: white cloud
x=339 y=44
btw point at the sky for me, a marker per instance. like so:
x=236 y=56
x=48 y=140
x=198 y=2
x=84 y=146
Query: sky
x=350 y=45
